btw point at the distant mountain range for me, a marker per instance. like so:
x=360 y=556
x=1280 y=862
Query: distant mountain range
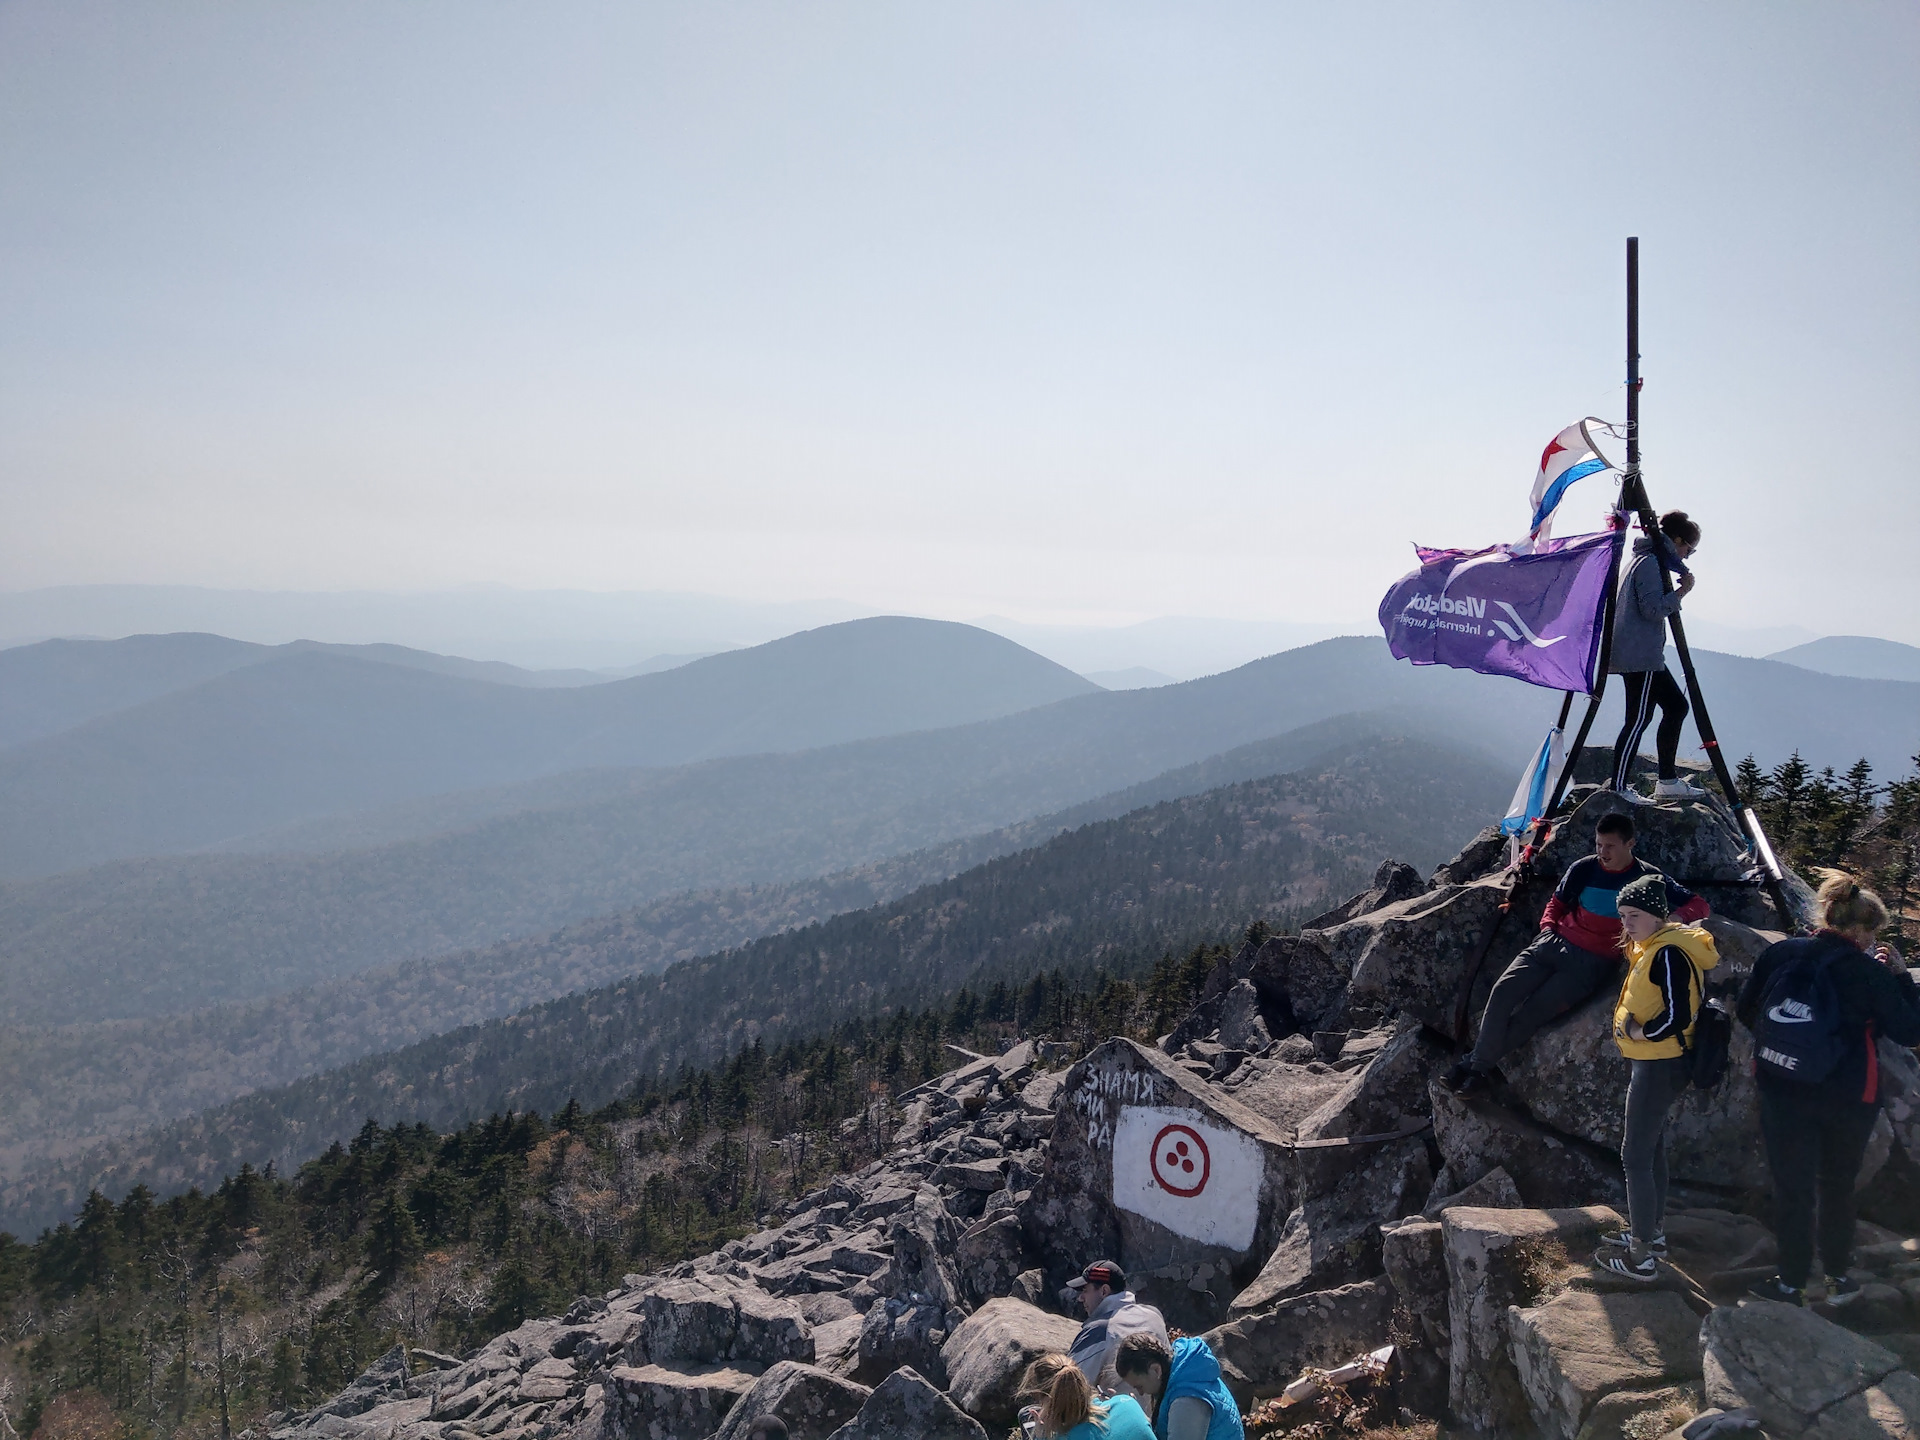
x=180 y=932
x=317 y=731
x=1861 y=656
x=58 y=684
x=472 y=868
x=1114 y=893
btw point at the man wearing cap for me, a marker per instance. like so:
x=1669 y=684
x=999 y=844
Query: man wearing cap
x=1112 y=1315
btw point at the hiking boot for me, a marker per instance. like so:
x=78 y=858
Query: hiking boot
x=1677 y=788
x=1842 y=1290
x=1774 y=1289
x=1621 y=1262
x=1472 y=1084
x=1624 y=1240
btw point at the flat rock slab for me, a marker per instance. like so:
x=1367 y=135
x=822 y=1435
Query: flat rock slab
x=1797 y=1369
x=906 y=1404
x=1580 y=1347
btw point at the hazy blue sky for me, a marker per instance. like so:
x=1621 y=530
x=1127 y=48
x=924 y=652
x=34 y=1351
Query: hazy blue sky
x=1064 y=312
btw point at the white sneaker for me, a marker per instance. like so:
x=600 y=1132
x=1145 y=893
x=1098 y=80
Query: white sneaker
x=1679 y=789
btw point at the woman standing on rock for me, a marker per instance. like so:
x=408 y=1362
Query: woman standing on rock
x=1818 y=1005
x=1639 y=653
x=1063 y=1406
x=1653 y=1025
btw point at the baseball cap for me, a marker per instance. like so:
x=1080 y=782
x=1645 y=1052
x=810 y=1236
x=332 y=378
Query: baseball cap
x=1101 y=1272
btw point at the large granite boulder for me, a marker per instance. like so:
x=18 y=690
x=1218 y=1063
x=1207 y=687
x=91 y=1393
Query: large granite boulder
x=905 y=1404
x=663 y=1402
x=812 y=1403
x=989 y=1256
x=924 y=1236
x=1184 y=1186
x=1261 y=1354
x=1415 y=957
x=901 y=1332
x=1392 y=883
x=989 y=1352
x=1806 y=1376
x=704 y=1320
x=1497 y=1261
x=1580 y=1347
x=1301 y=987
x=1548 y=1168
x=1334 y=1238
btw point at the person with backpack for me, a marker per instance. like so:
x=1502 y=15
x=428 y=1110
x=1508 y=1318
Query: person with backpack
x=1573 y=957
x=1639 y=653
x=1817 y=1006
x=1653 y=1024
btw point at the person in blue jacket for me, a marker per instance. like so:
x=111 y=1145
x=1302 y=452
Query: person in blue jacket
x=1180 y=1386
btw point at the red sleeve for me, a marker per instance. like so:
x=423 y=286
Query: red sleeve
x=1694 y=911
x=1556 y=911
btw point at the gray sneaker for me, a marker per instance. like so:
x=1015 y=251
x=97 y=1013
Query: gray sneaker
x=1677 y=789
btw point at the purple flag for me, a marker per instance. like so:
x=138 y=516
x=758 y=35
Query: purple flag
x=1535 y=617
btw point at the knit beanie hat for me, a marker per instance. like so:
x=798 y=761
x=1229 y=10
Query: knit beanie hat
x=1648 y=893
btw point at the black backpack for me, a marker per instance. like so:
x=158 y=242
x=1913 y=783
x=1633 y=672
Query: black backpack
x=1798 y=1034
x=1712 y=1039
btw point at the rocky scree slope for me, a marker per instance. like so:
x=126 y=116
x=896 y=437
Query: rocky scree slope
x=1280 y=1173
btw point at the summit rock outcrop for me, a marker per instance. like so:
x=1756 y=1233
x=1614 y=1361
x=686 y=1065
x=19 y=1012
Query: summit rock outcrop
x=1281 y=1173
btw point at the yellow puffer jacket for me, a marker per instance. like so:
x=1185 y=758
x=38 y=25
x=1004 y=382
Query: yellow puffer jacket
x=1643 y=998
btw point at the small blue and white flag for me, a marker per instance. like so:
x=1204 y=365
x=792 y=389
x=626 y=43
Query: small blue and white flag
x=1530 y=797
x=1570 y=457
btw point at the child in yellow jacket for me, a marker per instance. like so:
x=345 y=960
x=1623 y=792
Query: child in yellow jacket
x=1653 y=1024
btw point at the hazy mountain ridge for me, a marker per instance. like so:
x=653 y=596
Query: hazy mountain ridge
x=316 y=732
x=1192 y=868
x=1864 y=657
x=55 y=685
x=590 y=844
x=72 y=1085
x=297 y=920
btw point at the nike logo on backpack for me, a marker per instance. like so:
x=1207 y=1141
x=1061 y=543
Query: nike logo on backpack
x=1791 y=1012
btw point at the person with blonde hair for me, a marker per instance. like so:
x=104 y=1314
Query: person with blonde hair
x=1818 y=1006
x=1060 y=1405
x=1653 y=1024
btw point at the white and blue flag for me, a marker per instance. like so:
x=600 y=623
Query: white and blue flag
x=1530 y=797
x=1568 y=458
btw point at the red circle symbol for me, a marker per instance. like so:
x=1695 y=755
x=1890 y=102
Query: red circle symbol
x=1180 y=1161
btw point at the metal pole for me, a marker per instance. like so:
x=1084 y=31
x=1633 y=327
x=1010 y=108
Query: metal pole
x=1633 y=494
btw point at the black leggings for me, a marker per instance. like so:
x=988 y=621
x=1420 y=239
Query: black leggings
x=1646 y=689
x=1814 y=1151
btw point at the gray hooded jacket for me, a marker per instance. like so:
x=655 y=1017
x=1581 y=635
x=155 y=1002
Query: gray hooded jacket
x=1640 y=614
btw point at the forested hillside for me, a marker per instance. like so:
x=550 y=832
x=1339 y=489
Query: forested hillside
x=276 y=1288
x=73 y=1085
x=161 y=936
x=1171 y=874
